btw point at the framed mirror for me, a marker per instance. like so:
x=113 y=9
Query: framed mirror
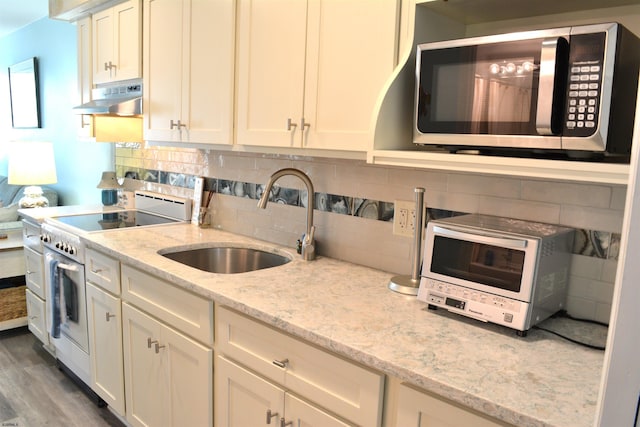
x=23 y=87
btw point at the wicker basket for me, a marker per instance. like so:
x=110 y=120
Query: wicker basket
x=13 y=303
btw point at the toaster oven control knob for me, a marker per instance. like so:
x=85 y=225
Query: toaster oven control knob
x=72 y=250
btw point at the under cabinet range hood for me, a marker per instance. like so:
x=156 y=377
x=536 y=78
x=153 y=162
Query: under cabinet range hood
x=119 y=99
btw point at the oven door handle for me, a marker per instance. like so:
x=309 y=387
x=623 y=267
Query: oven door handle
x=67 y=267
x=481 y=238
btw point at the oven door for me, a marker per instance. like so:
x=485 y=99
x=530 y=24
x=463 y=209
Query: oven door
x=66 y=301
x=499 y=92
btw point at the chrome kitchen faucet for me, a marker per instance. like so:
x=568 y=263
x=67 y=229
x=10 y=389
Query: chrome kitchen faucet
x=307 y=246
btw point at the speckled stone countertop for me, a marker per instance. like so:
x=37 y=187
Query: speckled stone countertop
x=540 y=380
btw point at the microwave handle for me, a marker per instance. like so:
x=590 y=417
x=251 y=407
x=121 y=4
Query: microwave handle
x=481 y=238
x=554 y=63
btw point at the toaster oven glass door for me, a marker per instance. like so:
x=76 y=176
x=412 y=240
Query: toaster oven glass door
x=493 y=266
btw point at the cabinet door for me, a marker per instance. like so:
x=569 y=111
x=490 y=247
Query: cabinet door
x=126 y=43
x=303 y=414
x=351 y=52
x=37 y=317
x=105 y=346
x=243 y=398
x=187 y=379
x=142 y=368
x=208 y=72
x=102 y=33
x=270 y=70
x=34 y=272
x=423 y=410
x=162 y=68
x=85 y=82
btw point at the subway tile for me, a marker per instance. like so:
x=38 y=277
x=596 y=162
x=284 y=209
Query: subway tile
x=484 y=185
x=591 y=218
x=587 y=267
x=521 y=209
x=618 y=197
x=567 y=193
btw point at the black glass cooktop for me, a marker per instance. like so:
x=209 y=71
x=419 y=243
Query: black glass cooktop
x=113 y=220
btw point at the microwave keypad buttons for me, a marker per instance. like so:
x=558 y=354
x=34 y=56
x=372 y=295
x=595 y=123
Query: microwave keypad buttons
x=584 y=85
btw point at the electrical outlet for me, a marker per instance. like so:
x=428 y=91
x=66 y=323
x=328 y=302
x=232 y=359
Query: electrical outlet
x=404 y=218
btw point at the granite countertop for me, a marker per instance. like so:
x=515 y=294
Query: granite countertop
x=540 y=380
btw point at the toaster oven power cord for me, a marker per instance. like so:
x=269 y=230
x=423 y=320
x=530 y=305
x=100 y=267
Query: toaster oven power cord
x=563 y=313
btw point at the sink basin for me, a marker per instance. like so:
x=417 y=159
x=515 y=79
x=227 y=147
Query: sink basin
x=227 y=260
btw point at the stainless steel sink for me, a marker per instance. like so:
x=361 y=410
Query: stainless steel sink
x=227 y=260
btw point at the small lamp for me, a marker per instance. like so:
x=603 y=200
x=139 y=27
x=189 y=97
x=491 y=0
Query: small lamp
x=32 y=164
x=109 y=185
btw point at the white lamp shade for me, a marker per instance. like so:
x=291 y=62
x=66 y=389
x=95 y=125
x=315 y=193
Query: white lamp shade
x=32 y=163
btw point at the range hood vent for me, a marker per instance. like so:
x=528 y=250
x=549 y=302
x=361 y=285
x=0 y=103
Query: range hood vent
x=120 y=99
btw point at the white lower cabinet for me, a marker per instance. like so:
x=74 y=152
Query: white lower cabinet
x=168 y=376
x=246 y=399
x=105 y=346
x=419 y=409
x=36 y=320
x=311 y=382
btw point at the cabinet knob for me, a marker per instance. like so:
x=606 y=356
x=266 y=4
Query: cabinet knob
x=290 y=125
x=109 y=316
x=150 y=341
x=305 y=125
x=284 y=424
x=270 y=415
x=281 y=363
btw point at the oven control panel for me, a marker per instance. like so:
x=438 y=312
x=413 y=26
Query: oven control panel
x=62 y=242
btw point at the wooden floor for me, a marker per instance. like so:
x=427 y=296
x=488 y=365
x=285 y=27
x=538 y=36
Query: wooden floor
x=34 y=392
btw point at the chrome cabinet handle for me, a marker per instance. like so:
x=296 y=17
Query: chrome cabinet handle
x=290 y=125
x=150 y=341
x=177 y=124
x=109 y=316
x=281 y=363
x=158 y=347
x=270 y=415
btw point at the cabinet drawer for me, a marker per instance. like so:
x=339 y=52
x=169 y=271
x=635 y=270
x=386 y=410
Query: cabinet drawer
x=33 y=272
x=340 y=386
x=180 y=308
x=36 y=317
x=102 y=270
x=31 y=235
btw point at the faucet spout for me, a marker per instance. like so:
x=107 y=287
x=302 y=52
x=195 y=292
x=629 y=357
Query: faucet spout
x=307 y=249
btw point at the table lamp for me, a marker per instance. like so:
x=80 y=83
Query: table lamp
x=32 y=164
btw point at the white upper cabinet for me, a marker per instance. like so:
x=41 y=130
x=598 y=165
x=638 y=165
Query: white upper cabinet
x=116 y=43
x=310 y=72
x=188 y=50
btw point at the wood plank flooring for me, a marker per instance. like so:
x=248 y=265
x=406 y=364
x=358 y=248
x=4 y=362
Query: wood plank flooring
x=34 y=392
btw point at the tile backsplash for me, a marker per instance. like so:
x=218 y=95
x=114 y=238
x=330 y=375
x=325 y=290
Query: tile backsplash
x=354 y=207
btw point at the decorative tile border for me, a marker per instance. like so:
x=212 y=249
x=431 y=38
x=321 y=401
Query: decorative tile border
x=597 y=244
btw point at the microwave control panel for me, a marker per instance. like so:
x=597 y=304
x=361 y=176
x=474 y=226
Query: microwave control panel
x=584 y=85
x=472 y=303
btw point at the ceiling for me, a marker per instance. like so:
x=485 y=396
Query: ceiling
x=17 y=14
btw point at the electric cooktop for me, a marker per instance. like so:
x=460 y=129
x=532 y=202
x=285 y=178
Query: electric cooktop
x=113 y=220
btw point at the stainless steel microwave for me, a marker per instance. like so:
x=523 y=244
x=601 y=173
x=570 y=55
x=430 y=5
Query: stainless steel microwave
x=566 y=90
x=506 y=271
